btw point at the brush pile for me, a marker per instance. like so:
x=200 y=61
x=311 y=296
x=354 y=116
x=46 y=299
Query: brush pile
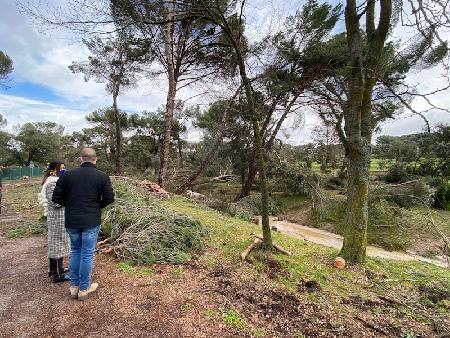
x=150 y=186
x=141 y=230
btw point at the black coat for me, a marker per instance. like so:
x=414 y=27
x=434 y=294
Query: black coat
x=84 y=191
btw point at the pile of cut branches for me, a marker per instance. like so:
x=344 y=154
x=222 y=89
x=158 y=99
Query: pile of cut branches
x=139 y=229
x=150 y=186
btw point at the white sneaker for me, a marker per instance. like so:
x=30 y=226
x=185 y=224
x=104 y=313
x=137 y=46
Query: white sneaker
x=74 y=291
x=83 y=295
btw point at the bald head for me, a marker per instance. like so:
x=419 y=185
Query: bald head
x=88 y=155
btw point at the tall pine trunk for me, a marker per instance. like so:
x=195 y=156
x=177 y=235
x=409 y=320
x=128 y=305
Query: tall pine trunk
x=355 y=238
x=118 y=137
x=247 y=186
x=259 y=154
x=358 y=119
x=170 y=103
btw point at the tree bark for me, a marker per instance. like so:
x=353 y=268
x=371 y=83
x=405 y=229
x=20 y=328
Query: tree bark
x=118 y=136
x=248 y=182
x=180 y=150
x=355 y=237
x=259 y=154
x=358 y=120
x=170 y=103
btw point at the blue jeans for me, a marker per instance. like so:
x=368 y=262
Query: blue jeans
x=82 y=247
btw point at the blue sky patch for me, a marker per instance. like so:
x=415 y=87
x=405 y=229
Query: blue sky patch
x=34 y=91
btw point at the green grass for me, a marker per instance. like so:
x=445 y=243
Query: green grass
x=230 y=236
x=186 y=307
x=23 y=201
x=258 y=333
x=26 y=229
x=233 y=318
x=130 y=269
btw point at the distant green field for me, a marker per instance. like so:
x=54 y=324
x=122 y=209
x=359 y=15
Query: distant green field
x=376 y=165
x=376 y=162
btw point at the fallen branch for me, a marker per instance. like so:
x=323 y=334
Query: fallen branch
x=276 y=246
x=107 y=251
x=255 y=243
x=404 y=183
x=103 y=242
x=391 y=300
x=370 y=325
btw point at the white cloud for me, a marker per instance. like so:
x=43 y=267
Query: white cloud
x=18 y=110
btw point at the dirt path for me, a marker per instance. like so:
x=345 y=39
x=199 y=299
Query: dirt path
x=30 y=306
x=124 y=306
x=331 y=240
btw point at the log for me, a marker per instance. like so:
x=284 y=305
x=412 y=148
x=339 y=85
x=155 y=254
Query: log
x=276 y=246
x=245 y=253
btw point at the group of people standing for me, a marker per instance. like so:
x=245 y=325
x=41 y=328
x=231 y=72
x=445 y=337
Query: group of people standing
x=72 y=202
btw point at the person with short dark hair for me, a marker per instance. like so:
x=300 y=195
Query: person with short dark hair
x=58 y=240
x=83 y=191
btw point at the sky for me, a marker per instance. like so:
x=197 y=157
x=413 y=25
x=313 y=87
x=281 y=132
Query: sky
x=42 y=88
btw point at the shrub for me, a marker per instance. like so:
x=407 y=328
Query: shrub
x=390 y=226
x=232 y=209
x=296 y=179
x=239 y=211
x=252 y=204
x=441 y=196
x=398 y=173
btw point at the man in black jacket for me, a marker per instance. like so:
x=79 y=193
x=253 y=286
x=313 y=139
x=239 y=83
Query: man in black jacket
x=83 y=191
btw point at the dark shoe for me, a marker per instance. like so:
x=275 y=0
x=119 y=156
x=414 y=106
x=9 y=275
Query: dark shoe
x=51 y=271
x=60 y=279
x=58 y=275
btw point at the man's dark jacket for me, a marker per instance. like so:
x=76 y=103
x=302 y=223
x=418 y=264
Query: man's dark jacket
x=84 y=191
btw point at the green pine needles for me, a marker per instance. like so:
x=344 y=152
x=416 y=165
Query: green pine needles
x=144 y=232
